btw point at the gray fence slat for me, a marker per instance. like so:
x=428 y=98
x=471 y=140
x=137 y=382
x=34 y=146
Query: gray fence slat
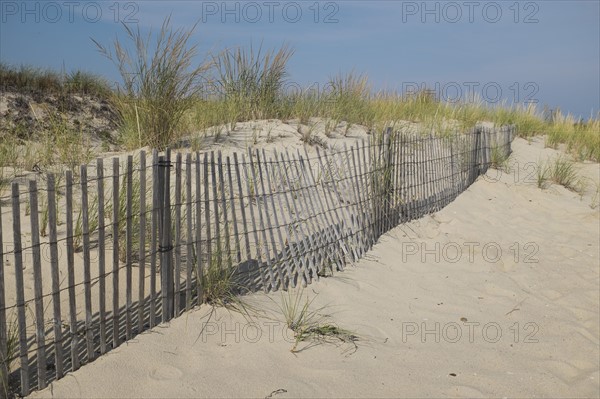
x=22 y=324
x=115 y=243
x=4 y=360
x=71 y=271
x=207 y=213
x=40 y=334
x=216 y=213
x=142 y=244
x=177 y=245
x=236 y=235
x=87 y=286
x=52 y=239
x=128 y=246
x=101 y=255
x=154 y=238
x=198 y=232
x=223 y=190
x=189 y=240
x=242 y=207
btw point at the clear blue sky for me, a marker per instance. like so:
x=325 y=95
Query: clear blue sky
x=547 y=51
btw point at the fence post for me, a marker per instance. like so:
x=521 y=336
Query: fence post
x=476 y=158
x=164 y=232
x=388 y=180
x=4 y=358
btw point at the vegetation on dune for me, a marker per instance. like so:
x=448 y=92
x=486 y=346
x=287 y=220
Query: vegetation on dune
x=160 y=83
x=165 y=95
x=26 y=79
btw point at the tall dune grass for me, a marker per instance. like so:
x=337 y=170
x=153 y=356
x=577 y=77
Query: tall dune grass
x=250 y=81
x=160 y=83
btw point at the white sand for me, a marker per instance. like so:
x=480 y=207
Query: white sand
x=545 y=306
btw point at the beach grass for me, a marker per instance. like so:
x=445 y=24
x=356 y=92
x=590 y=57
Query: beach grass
x=166 y=93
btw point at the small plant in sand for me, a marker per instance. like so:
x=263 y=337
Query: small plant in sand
x=560 y=171
x=563 y=172
x=219 y=285
x=9 y=354
x=499 y=159
x=542 y=172
x=311 y=324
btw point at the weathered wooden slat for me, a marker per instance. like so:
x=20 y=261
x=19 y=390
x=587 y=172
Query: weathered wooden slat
x=209 y=259
x=218 y=249
x=369 y=189
x=101 y=255
x=128 y=246
x=189 y=237
x=357 y=218
x=177 y=245
x=199 y=270
x=4 y=361
x=40 y=333
x=115 y=242
x=396 y=185
x=403 y=185
x=142 y=244
x=71 y=271
x=20 y=290
x=166 y=266
x=236 y=235
x=154 y=237
x=363 y=195
x=52 y=240
x=87 y=286
x=226 y=232
x=242 y=207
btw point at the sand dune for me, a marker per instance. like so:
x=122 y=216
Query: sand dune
x=495 y=295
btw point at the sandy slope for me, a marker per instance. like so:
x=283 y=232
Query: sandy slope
x=496 y=295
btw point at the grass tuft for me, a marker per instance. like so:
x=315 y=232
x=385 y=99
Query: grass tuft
x=311 y=324
x=160 y=84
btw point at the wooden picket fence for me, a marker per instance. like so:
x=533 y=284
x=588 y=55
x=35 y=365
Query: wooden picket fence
x=69 y=288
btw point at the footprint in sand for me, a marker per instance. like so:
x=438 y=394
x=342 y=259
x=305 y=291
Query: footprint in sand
x=165 y=373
